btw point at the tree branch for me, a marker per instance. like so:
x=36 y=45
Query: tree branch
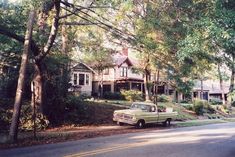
x=5 y=31
x=78 y=23
x=10 y=34
x=53 y=33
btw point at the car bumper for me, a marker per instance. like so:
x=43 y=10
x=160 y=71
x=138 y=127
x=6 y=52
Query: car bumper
x=130 y=122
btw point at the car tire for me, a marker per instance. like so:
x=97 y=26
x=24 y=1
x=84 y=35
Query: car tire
x=120 y=123
x=167 y=123
x=140 y=124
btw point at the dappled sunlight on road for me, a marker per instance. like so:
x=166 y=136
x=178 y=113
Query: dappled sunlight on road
x=184 y=136
x=155 y=138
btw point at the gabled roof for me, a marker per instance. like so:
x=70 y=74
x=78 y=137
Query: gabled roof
x=82 y=67
x=212 y=86
x=120 y=59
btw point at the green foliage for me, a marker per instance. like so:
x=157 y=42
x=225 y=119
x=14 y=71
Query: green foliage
x=56 y=87
x=186 y=101
x=26 y=120
x=189 y=107
x=132 y=95
x=75 y=111
x=5 y=114
x=202 y=106
x=113 y=96
x=84 y=96
x=164 y=98
x=233 y=104
x=199 y=106
x=79 y=112
x=216 y=101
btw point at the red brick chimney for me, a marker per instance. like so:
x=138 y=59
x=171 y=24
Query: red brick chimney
x=125 y=51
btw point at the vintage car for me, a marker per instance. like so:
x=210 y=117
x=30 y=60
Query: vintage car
x=142 y=113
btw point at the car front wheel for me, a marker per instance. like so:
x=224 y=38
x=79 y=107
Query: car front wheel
x=120 y=123
x=140 y=124
x=167 y=122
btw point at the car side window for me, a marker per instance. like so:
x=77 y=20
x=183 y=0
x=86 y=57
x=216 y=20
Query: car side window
x=153 y=109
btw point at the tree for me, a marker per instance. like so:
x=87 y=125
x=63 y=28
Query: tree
x=211 y=34
x=39 y=55
x=21 y=80
x=99 y=59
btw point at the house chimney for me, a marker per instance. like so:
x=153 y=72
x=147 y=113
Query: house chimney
x=125 y=51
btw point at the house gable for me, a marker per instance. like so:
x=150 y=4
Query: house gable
x=124 y=60
x=82 y=68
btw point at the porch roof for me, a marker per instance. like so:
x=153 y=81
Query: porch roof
x=122 y=80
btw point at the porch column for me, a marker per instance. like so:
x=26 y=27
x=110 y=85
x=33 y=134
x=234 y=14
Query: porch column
x=208 y=96
x=198 y=94
x=130 y=85
x=112 y=87
x=141 y=86
x=180 y=96
x=174 y=96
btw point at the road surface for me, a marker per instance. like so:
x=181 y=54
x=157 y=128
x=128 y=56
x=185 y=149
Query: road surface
x=216 y=140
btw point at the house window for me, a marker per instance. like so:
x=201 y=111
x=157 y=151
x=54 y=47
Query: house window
x=81 y=79
x=135 y=71
x=75 y=79
x=106 y=71
x=123 y=72
x=87 y=79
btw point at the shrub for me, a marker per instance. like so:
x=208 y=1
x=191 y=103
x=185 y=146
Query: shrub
x=186 y=101
x=75 y=110
x=198 y=106
x=189 y=107
x=84 y=96
x=132 y=95
x=202 y=106
x=164 y=98
x=113 y=96
x=216 y=101
x=26 y=117
x=233 y=104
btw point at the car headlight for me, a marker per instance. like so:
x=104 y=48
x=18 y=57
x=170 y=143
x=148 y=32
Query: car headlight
x=133 y=118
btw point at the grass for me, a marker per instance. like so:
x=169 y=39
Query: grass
x=199 y=122
x=204 y=122
x=230 y=119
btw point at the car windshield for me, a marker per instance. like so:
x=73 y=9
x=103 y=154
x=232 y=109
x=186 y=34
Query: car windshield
x=143 y=107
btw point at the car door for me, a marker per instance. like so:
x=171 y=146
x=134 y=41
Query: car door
x=153 y=115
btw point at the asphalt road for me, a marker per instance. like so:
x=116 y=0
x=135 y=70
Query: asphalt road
x=216 y=140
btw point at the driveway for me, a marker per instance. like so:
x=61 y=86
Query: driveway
x=216 y=140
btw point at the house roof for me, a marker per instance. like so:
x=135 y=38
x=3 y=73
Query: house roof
x=82 y=67
x=120 y=80
x=212 y=86
x=120 y=59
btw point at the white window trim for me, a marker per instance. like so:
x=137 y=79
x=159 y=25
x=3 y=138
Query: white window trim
x=85 y=77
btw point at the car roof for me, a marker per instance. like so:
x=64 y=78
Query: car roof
x=144 y=103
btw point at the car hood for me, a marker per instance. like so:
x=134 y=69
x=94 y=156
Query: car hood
x=129 y=111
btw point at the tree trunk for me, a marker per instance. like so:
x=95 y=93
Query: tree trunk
x=21 y=80
x=156 y=87
x=102 y=85
x=221 y=84
x=167 y=88
x=64 y=35
x=231 y=88
x=38 y=87
x=146 y=81
x=201 y=94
